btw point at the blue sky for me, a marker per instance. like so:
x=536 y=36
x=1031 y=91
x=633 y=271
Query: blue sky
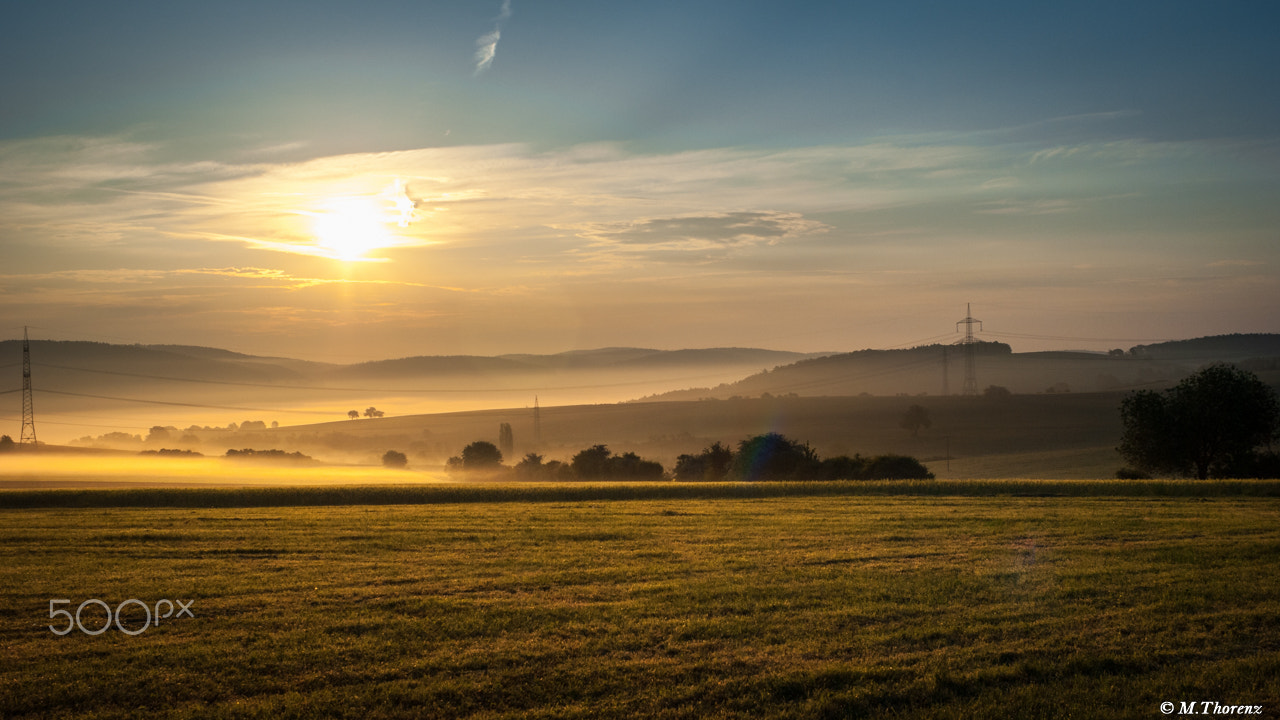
x=307 y=178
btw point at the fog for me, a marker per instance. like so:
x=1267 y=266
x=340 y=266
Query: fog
x=57 y=471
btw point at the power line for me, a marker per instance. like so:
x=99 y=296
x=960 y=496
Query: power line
x=190 y=405
x=371 y=390
x=45 y=421
x=1029 y=336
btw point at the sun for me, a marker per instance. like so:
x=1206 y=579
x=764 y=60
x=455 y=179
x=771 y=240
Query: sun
x=348 y=229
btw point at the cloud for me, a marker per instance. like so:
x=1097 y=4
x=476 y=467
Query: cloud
x=487 y=44
x=702 y=232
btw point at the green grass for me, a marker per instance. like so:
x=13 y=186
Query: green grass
x=574 y=602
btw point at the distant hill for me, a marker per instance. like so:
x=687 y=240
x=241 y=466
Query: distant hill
x=88 y=389
x=1226 y=348
x=85 y=389
x=601 y=360
x=940 y=369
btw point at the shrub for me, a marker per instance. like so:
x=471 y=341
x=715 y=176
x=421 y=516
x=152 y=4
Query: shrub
x=897 y=467
x=271 y=455
x=394 y=459
x=843 y=467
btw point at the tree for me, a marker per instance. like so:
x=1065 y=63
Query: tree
x=774 y=457
x=997 y=392
x=591 y=463
x=394 y=459
x=506 y=439
x=630 y=466
x=1211 y=423
x=6 y=443
x=531 y=467
x=713 y=463
x=353 y=414
x=481 y=455
x=373 y=412
x=914 y=418
x=843 y=467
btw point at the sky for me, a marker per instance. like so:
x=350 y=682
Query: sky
x=348 y=181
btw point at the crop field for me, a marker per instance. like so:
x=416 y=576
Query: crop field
x=1099 y=600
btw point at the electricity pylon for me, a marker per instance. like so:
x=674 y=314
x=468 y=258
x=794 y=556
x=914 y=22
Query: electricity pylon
x=537 y=425
x=28 y=436
x=970 y=347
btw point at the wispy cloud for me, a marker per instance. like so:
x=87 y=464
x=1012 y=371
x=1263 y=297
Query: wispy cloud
x=487 y=44
x=702 y=232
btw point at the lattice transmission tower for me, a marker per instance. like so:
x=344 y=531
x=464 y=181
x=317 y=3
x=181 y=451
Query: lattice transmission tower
x=28 y=436
x=537 y=425
x=970 y=345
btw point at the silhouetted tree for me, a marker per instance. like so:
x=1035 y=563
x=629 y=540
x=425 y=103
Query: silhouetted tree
x=897 y=467
x=997 y=392
x=373 y=412
x=914 y=418
x=531 y=467
x=6 y=443
x=592 y=462
x=598 y=463
x=774 y=457
x=506 y=439
x=1212 y=423
x=713 y=463
x=353 y=414
x=393 y=459
x=630 y=466
x=481 y=455
x=843 y=467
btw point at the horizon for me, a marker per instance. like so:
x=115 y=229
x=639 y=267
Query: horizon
x=1012 y=342
x=391 y=179
x=132 y=398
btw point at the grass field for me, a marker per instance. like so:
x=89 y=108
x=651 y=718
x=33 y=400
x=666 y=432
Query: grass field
x=545 y=603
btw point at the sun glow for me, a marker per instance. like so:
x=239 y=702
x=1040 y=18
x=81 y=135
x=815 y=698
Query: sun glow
x=350 y=228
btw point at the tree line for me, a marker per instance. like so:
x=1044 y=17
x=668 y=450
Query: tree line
x=775 y=457
x=761 y=458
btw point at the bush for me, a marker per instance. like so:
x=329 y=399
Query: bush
x=393 y=459
x=171 y=452
x=271 y=455
x=843 y=467
x=897 y=467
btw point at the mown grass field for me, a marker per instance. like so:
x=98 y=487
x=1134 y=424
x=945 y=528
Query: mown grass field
x=543 y=603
